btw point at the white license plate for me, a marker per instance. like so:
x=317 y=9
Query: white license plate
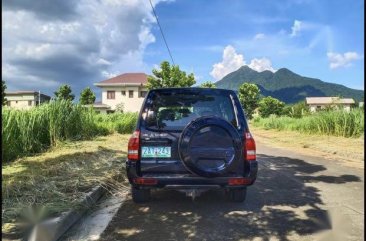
x=156 y=151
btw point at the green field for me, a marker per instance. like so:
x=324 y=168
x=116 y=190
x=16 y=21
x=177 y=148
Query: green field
x=332 y=122
x=25 y=132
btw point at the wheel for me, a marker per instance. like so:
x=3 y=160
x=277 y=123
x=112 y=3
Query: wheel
x=140 y=195
x=237 y=195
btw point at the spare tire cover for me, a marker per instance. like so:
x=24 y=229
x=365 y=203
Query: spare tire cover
x=209 y=146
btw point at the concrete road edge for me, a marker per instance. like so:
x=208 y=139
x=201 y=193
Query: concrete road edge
x=53 y=229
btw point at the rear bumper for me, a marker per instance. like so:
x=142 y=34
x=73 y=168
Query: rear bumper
x=183 y=181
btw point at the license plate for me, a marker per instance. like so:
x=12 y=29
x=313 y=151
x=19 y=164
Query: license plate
x=156 y=151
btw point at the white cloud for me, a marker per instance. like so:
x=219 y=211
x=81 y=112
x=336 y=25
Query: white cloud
x=102 y=61
x=261 y=65
x=338 y=60
x=259 y=36
x=296 y=28
x=231 y=61
x=77 y=46
x=109 y=75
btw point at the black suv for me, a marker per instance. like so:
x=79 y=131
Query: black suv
x=191 y=140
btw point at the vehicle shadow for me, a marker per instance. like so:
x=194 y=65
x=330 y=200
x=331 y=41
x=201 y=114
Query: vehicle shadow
x=279 y=204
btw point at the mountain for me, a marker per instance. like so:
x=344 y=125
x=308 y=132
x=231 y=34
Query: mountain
x=286 y=85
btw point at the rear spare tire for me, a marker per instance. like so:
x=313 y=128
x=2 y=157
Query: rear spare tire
x=210 y=146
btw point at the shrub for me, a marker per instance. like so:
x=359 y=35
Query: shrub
x=297 y=110
x=269 y=105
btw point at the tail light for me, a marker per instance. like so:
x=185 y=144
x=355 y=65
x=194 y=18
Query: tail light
x=239 y=181
x=134 y=146
x=145 y=181
x=249 y=148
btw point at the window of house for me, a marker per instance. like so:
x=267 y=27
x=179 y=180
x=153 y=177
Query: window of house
x=29 y=103
x=110 y=111
x=143 y=94
x=130 y=93
x=16 y=102
x=123 y=92
x=8 y=103
x=111 y=94
x=318 y=107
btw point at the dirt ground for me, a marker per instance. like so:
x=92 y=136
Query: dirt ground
x=348 y=151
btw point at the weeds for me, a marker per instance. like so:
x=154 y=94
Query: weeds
x=25 y=132
x=332 y=122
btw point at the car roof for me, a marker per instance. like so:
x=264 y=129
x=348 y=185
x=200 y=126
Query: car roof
x=184 y=89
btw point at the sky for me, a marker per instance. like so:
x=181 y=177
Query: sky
x=81 y=42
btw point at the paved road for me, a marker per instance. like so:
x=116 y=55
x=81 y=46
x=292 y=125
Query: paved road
x=294 y=198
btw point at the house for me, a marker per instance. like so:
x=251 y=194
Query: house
x=25 y=99
x=317 y=103
x=360 y=104
x=126 y=90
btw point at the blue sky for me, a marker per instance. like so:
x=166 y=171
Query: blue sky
x=198 y=31
x=81 y=42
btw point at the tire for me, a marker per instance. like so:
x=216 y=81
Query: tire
x=140 y=195
x=237 y=195
x=210 y=146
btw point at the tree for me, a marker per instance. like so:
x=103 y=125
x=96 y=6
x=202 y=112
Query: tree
x=64 y=93
x=87 y=96
x=169 y=76
x=269 y=105
x=249 y=97
x=3 y=88
x=208 y=84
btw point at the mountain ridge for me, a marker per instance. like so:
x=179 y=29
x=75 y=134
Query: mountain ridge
x=286 y=85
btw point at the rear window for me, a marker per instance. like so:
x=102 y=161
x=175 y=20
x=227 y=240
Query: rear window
x=173 y=111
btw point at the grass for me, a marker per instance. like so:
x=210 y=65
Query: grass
x=25 y=132
x=80 y=149
x=57 y=179
x=116 y=122
x=333 y=123
x=31 y=131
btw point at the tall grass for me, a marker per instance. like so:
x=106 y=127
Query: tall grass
x=332 y=122
x=31 y=131
x=121 y=123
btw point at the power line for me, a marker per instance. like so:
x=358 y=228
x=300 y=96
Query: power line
x=161 y=31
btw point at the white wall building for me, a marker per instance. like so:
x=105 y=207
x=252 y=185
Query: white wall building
x=128 y=89
x=318 y=103
x=25 y=99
